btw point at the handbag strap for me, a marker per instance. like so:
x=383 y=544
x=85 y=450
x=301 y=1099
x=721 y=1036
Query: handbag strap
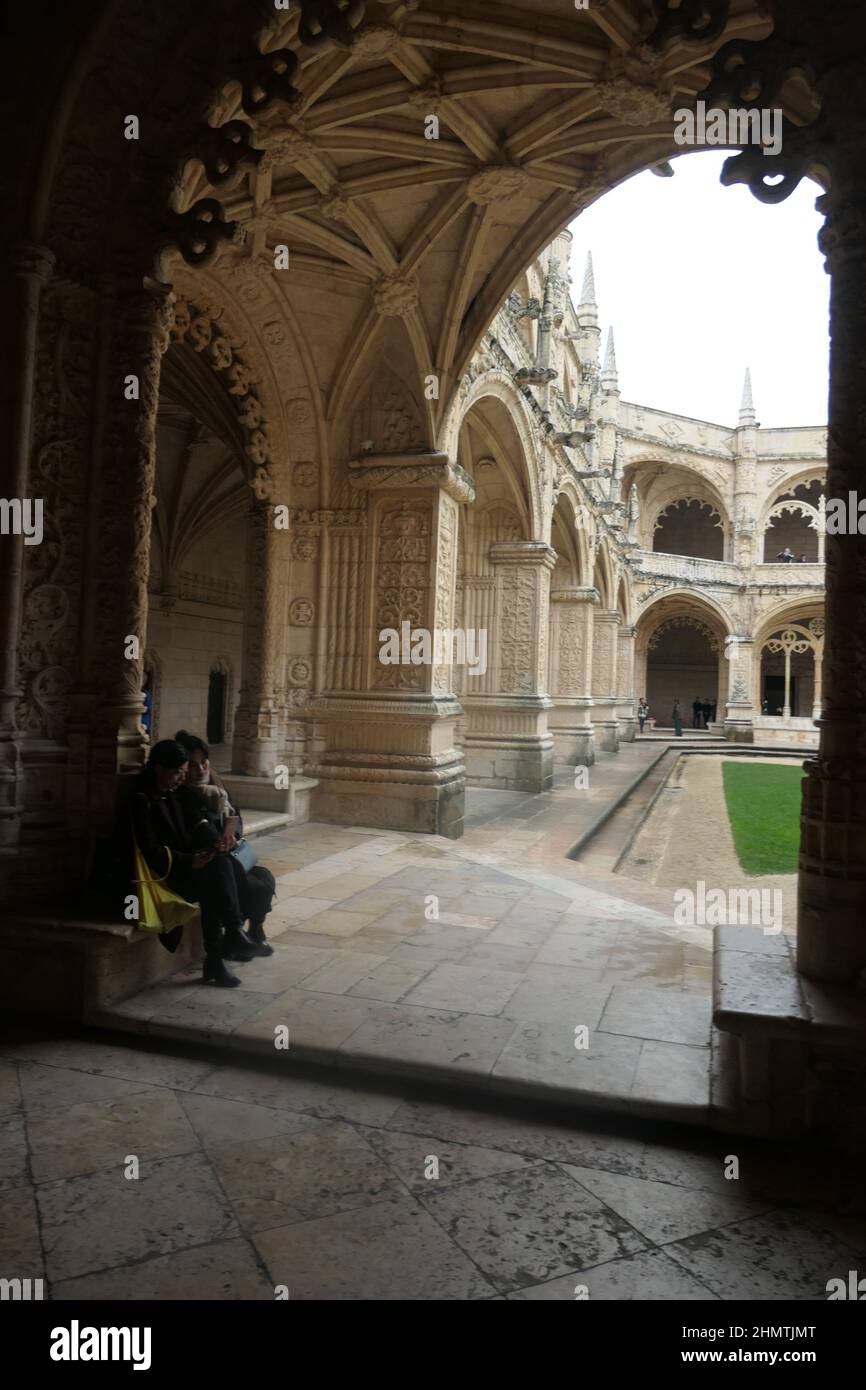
x=155 y=878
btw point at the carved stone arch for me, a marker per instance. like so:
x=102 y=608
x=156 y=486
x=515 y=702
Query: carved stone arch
x=498 y=386
x=678 y=598
x=203 y=331
x=584 y=522
x=604 y=569
x=663 y=507
x=683 y=620
x=788 y=614
x=783 y=487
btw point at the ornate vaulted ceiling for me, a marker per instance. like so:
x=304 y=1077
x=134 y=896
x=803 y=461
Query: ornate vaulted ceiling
x=402 y=246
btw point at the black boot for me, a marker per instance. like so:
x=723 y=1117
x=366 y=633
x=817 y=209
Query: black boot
x=215 y=972
x=237 y=945
x=256 y=934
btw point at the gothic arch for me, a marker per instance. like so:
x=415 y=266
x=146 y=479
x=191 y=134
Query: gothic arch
x=525 y=477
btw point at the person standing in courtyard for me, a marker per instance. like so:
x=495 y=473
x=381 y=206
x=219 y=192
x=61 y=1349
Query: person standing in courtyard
x=642 y=712
x=677 y=717
x=696 y=713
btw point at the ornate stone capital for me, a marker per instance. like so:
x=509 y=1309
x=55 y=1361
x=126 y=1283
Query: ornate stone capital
x=534 y=553
x=376 y=471
x=495 y=183
x=590 y=595
x=396 y=295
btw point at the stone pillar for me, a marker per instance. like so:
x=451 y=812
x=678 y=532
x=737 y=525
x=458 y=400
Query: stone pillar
x=260 y=713
x=135 y=328
x=625 y=684
x=742 y=677
x=28 y=270
x=604 y=716
x=390 y=759
x=831 y=922
x=571 y=613
x=508 y=744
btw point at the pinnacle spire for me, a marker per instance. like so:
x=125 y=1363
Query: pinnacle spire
x=609 y=380
x=587 y=309
x=747 y=405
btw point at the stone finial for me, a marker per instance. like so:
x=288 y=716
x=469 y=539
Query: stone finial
x=609 y=380
x=747 y=406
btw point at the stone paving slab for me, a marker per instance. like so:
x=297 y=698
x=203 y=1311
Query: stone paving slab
x=412 y=955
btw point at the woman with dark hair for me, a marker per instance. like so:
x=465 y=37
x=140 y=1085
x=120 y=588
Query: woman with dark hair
x=181 y=843
x=255 y=885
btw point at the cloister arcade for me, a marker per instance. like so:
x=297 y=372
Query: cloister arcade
x=286 y=372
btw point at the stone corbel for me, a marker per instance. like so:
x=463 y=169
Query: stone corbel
x=523 y=553
x=425 y=470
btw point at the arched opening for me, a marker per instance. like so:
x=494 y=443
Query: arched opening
x=794 y=529
x=690 y=527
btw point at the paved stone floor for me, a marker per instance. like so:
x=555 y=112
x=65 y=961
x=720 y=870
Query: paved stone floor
x=493 y=957
x=253 y=1178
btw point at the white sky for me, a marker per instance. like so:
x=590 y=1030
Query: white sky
x=701 y=281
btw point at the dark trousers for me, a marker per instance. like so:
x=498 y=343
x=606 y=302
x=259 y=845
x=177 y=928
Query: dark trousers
x=696 y=719
x=255 y=889
x=215 y=890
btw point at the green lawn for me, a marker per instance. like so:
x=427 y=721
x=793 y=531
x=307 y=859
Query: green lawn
x=764 y=810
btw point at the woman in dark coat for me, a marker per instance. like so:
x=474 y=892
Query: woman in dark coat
x=174 y=833
x=256 y=886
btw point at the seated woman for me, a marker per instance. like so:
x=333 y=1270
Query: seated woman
x=256 y=886
x=174 y=833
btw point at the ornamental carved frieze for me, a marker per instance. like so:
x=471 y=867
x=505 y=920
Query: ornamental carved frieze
x=446 y=578
x=517 y=630
x=402 y=584
x=395 y=295
x=684 y=620
x=496 y=183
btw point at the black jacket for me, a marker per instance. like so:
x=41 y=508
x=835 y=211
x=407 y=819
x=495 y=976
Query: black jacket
x=175 y=820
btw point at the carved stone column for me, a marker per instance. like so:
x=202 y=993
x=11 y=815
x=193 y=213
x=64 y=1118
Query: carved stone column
x=625 y=684
x=135 y=328
x=390 y=759
x=571 y=614
x=260 y=714
x=743 y=679
x=831 y=923
x=604 y=673
x=508 y=743
x=28 y=270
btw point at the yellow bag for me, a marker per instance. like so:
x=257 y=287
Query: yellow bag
x=159 y=909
